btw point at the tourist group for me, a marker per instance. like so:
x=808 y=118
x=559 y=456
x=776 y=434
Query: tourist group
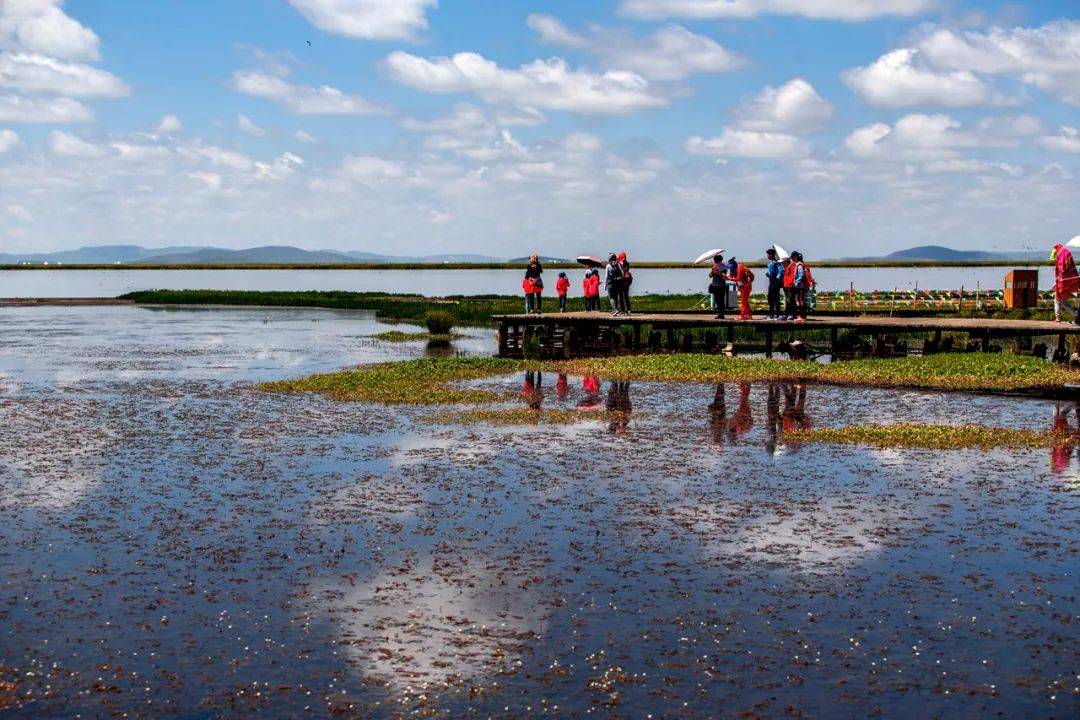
x=791 y=289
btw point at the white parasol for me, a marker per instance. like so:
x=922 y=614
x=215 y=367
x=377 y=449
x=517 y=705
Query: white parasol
x=781 y=253
x=708 y=255
x=1075 y=242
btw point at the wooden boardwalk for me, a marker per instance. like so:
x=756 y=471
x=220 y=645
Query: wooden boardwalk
x=580 y=333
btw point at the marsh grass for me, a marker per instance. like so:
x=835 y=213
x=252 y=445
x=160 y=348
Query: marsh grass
x=508 y=417
x=402 y=336
x=422 y=381
x=966 y=371
x=932 y=437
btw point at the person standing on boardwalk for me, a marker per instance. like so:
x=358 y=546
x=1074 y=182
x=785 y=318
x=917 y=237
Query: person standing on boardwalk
x=562 y=286
x=718 y=278
x=803 y=283
x=789 y=288
x=625 y=283
x=535 y=283
x=613 y=283
x=590 y=285
x=744 y=280
x=774 y=273
x=1066 y=281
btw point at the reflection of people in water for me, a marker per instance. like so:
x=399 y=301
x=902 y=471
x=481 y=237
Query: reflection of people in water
x=772 y=418
x=532 y=390
x=1066 y=437
x=743 y=419
x=618 y=406
x=561 y=389
x=794 y=417
x=718 y=415
x=591 y=385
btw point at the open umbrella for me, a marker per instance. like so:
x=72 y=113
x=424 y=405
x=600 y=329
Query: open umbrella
x=590 y=261
x=781 y=253
x=1075 y=242
x=708 y=255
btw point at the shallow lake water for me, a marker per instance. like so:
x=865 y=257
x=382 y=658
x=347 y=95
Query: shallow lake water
x=110 y=283
x=173 y=543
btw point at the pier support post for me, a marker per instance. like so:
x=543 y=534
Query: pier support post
x=567 y=344
x=834 y=340
x=984 y=342
x=731 y=333
x=671 y=338
x=503 y=328
x=1060 y=353
x=768 y=342
x=637 y=336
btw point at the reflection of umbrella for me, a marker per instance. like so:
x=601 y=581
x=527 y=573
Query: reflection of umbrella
x=781 y=253
x=1075 y=242
x=590 y=261
x=708 y=255
x=589 y=404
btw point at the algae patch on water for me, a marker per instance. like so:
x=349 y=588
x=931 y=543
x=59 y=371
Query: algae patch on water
x=508 y=417
x=966 y=371
x=423 y=381
x=402 y=336
x=931 y=437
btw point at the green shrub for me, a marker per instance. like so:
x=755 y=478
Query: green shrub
x=439 y=322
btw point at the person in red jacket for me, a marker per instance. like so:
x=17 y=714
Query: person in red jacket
x=562 y=286
x=744 y=280
x=1066 y=281
x=788 y=276
x=590 y=285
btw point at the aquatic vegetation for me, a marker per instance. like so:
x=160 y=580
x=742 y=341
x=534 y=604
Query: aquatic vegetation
x=964 y=371
x=439 y=322
x=934 y=437
x=402 y=336
x=422 y=381
x=508 y=416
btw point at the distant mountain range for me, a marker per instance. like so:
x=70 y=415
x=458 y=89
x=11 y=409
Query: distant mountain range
x=937 y=253
x=287 y=255
x=195 y=255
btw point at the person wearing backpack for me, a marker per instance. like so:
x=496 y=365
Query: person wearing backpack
x=718 y=278
x=613 y=283
x=744 y=280
x=788 y=282
x=803 y=284
x=535 y=283
x=774 y=273
x=624 y=285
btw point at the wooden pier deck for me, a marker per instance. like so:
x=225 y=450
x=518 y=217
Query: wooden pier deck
x=580 y=333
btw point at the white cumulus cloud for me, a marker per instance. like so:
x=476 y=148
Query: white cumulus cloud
x=42 y=26
x=794 y=107
x=1067 y=140
x=900 y=79
x=671 y=53
x=549 y=84
x=169 y=124
x=32 y=73
x=8 y=140
x=849 y=10
x=302 y=99
x=371 y=169
x=1046 y=57
x=249 y=126
x=749 y=144
x=15 y=108
x=368 y=19
x=68 y=145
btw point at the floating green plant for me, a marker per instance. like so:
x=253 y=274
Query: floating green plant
x=401 y=336
x=933 y=437
x=508 y=416
x=422 y=381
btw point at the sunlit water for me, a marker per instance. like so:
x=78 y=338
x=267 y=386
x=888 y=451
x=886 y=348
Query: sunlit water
x=174 y=543
x=110 y=283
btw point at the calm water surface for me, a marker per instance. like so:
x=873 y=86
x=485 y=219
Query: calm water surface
x=110 y=283
x=174 y=544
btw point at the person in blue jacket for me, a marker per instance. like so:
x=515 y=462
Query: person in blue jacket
x=775 y=275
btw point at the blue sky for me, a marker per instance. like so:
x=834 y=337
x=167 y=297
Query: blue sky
x=411 y=126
